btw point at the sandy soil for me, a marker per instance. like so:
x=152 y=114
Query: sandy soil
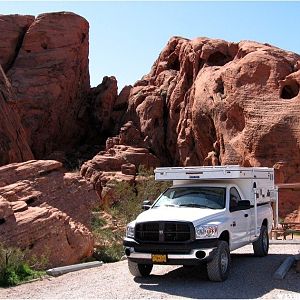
x=250 y=277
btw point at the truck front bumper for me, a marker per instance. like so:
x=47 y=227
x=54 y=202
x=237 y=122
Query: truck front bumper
x=192 y=253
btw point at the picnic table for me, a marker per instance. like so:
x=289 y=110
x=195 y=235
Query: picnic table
x=285 y=228
x=290 y=228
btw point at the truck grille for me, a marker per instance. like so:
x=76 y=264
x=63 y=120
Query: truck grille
x=164 y=232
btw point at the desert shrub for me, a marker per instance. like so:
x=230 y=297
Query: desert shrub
x=127 y=204
x=109 y=240
x=15 y=268
x=125 y=208
x=97 y=222
x=111 y=253
x=130 y=198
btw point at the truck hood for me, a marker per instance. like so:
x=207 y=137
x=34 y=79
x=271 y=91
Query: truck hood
x=187 y=214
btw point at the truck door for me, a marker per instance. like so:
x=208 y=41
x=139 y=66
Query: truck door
x=240 y=220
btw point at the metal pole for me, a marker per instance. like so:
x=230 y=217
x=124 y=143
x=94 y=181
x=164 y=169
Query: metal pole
x=276 y=207
x=255 y=211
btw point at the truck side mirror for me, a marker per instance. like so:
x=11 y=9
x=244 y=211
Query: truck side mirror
x=244 y=204
x=241 y=205
x=146 y=204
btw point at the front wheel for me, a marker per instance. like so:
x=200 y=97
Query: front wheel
x=218 y=268
x=261 y=246
x=139 y=270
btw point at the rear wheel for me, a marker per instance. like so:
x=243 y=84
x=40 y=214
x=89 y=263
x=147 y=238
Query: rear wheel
x=261 y=246
x=139 y=270
x=218 y=268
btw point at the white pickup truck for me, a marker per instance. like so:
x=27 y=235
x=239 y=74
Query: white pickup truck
x=208 y=212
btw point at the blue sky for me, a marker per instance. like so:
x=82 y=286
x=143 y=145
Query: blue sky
x=127 y=37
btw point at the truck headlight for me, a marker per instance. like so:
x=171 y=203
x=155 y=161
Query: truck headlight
x=130 y=230
x=206 y=231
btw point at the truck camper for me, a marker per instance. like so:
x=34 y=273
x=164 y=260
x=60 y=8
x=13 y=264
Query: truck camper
x=208 y=212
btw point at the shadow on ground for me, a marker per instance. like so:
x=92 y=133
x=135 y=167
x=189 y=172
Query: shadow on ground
x=250 y=277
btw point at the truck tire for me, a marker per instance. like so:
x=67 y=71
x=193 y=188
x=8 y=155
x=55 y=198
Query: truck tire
x=139 y=270
x=218 y=268
x=261 y=245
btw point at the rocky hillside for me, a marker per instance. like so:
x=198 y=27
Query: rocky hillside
x=213 y=102
x=205 y=101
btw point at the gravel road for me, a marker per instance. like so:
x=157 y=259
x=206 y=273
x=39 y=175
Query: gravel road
x=250 y=277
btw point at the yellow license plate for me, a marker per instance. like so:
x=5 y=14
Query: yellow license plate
x=159 y=258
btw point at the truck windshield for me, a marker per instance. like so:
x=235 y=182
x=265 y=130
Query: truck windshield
x=202 y=197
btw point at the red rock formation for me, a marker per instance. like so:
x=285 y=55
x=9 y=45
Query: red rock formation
x=12 y=28
x=103 y=98
x=46 y=210
x=204 y=92
x=13 y=142
x=51 y=80
x=119 y=162
x=119 y=109
x=204 y=101
x=213 y=102
x=289 y=195
x=106 y=110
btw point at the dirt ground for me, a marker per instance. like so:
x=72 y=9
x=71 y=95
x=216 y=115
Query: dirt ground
x=251 y=277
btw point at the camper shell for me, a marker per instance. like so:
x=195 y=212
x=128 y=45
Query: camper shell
x=256 y=183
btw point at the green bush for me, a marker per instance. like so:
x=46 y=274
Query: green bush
x=110 y=253
x=130 y=198
x=127 y=204
x=97 y=222
x=15 y=267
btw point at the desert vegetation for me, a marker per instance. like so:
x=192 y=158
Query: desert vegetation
x=18 y=266
x=109 y=222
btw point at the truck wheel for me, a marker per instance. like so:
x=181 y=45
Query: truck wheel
x=139 y=270
x=261 y=246
x=218 y=268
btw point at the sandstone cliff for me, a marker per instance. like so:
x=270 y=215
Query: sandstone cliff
x=13 y=141
x=47 y=64
x=210 y=101
x=13 y=29
x=205 y=95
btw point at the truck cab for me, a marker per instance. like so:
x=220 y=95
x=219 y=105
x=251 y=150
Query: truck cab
x=205 y=214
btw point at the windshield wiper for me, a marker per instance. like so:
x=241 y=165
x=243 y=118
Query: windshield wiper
x=194 y=205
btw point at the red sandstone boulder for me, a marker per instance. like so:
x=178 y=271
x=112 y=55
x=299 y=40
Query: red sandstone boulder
x=119 y=157
x=13 y=141
x=46 y=210
x=5 y=210
x=51 y=80
x=293 y=217
x=128 y=169
x=119 y=162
